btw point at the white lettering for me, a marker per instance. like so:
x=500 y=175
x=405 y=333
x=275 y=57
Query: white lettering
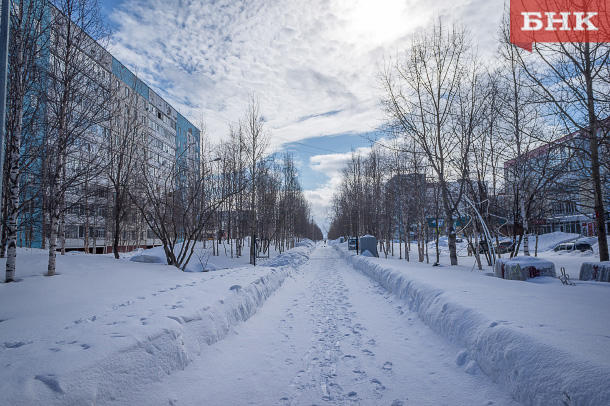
x=580 y=21
x=563 y=20
x=528 y=19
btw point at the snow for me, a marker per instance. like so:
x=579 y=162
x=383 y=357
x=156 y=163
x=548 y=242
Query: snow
x=202 y=259
x=148 y=259
x=329 y=336
x=546 y=242
x=367 y=253
x=539 y=338
x=304 y=327
x=101 y=325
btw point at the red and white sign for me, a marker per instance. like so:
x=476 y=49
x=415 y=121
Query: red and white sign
x=559 y=21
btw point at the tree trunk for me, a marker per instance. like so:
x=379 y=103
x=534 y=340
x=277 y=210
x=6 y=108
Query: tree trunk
x=13 y=209
x=62 y=233
x=53 y=242
x=476 y=250
x=451 y=237
x=600 y=217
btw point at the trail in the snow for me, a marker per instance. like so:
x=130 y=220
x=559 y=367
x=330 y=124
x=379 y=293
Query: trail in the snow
x=329 y=336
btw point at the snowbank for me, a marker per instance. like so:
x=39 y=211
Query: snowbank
x=147 y=259
x=92 y=359
x=537 y=369
x=203 y=259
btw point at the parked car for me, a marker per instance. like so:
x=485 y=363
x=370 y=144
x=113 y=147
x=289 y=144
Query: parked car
x=574 y=246
x=504 y=247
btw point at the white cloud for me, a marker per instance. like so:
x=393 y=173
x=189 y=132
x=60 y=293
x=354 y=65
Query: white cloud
x=301 y=58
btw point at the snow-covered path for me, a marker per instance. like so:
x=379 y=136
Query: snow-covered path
x=330 y=335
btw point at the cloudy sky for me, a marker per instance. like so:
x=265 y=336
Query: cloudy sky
x=312 y=65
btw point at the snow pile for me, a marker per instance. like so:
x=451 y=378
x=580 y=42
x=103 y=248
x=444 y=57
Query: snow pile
x=595 y=271
x=294 y=257
x=80 y=351
x=548 y=241
x=522 y=268
x=205 y=258
x=148 y=259
x=305 y=243
x=500 y=326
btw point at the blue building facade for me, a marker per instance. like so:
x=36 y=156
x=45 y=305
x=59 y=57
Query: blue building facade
x=170 y=142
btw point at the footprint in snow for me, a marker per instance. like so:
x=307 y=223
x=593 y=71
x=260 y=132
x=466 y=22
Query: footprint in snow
x=16 y=344
x=387 y=366
x=377 y=385
x=51 y=382
x=360 y=375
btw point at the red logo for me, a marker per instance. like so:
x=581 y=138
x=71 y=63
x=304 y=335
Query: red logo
x=559 y=21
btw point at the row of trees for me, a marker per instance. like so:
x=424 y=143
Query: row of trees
x=88 y=155
x=468 y=135
x=265 y=201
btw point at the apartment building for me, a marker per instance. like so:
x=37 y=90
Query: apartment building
x=160 y=137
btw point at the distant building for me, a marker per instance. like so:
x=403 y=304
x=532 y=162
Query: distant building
x=566 y=202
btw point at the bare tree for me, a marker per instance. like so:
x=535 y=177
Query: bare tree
x=255 y=141
x=572 y=80
x=76 y=100
x=427 y=96
x=176 y=203
x=125 y=142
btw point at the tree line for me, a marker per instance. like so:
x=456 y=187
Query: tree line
x=481 y=147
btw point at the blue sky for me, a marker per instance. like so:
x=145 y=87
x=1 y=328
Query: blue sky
x=311 y=64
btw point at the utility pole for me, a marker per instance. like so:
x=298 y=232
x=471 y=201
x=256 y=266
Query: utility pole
x=4 y=30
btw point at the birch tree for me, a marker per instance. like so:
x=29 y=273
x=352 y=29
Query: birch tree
x=76 y=100
x=254 y=143
x=29 y=30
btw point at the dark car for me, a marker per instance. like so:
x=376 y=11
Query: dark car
x=504 y=247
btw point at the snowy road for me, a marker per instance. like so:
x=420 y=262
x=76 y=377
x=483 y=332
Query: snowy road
x=329 y=336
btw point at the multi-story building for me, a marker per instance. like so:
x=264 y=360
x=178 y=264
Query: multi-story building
x=561 y=171
x=162 y=138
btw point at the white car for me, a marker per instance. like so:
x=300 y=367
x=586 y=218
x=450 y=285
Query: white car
x=574 y=246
